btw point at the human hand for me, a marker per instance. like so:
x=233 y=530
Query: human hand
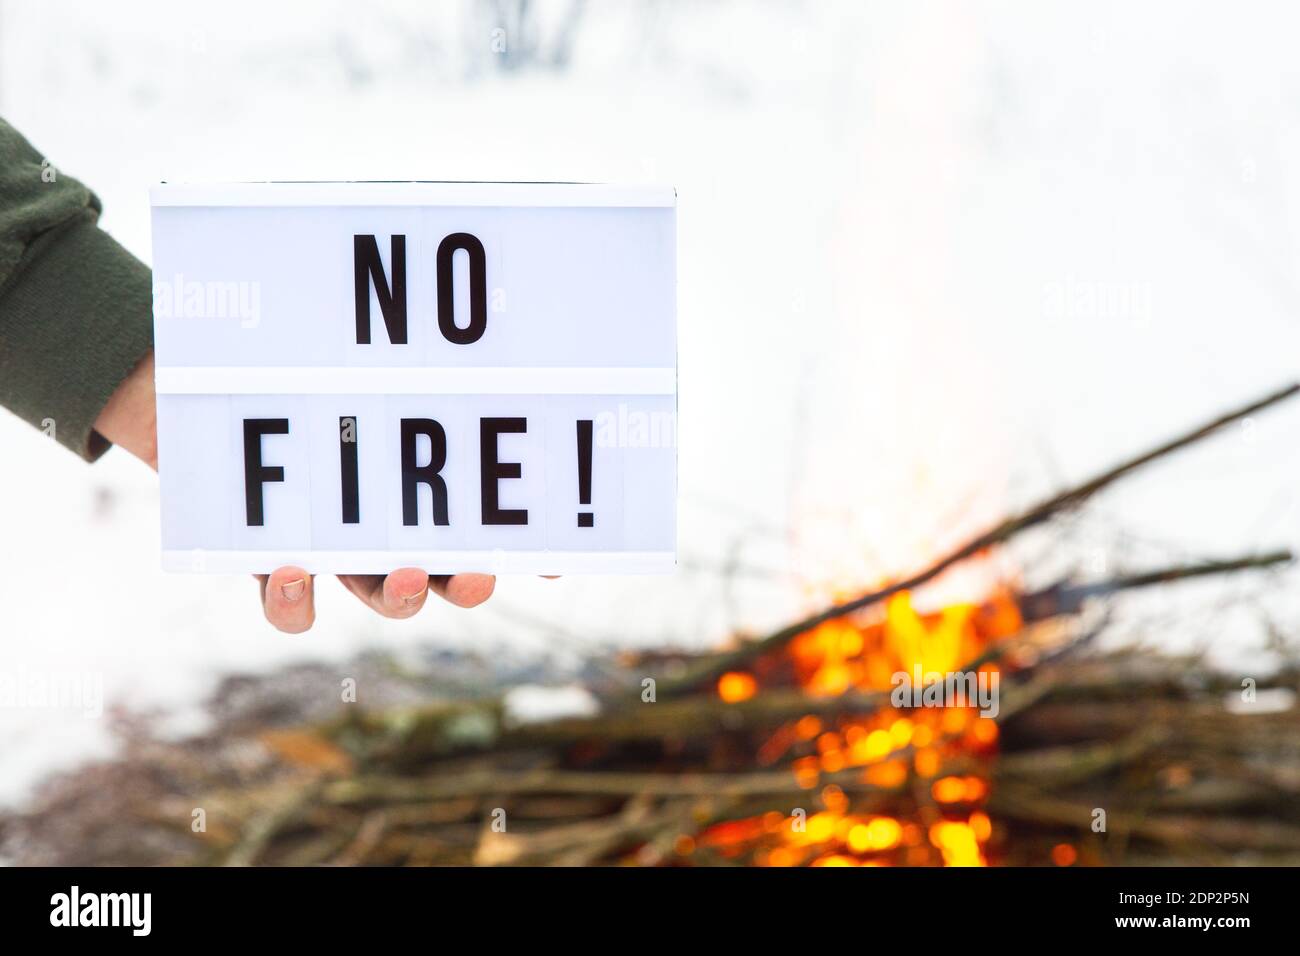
x=130 y=420
x=288 y=593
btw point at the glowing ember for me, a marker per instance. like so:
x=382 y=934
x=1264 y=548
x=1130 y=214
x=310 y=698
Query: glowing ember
x=735 y=687
x=1064 y=855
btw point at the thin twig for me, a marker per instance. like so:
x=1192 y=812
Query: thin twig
x=1067 y=598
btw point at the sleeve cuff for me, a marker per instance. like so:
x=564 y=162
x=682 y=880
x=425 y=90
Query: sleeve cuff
x=74 y=321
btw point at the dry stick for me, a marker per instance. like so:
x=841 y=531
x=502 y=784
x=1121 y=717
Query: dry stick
x=1068 y=598
x=1071 y=764
x=745 y=654
x=378 y=790
x=1239 y=834
x=262 y=830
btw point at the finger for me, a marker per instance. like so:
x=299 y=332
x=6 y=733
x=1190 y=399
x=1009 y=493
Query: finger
x=288 y=599
x=464 y=590
x=400 y=594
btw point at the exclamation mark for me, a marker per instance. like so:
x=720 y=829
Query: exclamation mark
x=585 y=518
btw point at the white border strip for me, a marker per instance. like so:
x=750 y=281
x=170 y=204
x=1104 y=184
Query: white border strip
x=412 y=194
x=353 y=380
x=432 y=562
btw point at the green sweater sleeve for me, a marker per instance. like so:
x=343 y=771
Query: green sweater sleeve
x=75 y=307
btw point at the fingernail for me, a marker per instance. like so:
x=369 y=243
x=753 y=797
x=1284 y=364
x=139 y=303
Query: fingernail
x=413 y=599
x=294 y=589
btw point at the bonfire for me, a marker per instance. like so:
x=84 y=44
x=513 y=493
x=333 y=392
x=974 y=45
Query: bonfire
x=876 y=732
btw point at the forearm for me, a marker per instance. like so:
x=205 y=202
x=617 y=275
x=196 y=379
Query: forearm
x=130 y=419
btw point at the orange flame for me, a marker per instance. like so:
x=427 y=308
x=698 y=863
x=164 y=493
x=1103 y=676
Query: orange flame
x=890 y=747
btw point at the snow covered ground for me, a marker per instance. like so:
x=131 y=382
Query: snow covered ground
x=934 y=260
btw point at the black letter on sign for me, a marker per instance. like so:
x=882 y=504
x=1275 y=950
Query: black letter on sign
x=413 y=475
x=491 y=470
x=585 y=518
x=366 y=265
x=255 y=473
x=348 y=470
x=477 y=289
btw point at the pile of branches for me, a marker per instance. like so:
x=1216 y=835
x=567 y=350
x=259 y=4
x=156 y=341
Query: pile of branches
x=1123 y=756
x=1181 y=774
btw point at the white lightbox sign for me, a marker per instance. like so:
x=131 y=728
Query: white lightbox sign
x=358 y=377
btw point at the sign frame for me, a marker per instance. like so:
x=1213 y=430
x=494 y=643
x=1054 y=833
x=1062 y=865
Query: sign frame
x=181 y=387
